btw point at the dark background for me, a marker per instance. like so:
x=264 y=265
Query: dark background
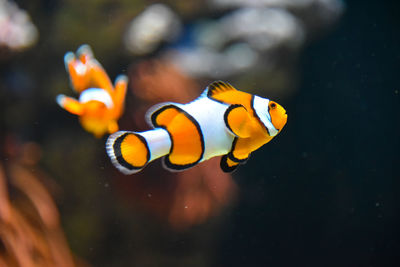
x=329 y=195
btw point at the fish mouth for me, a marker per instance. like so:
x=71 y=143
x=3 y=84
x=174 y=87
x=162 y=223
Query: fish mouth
x=285 y=117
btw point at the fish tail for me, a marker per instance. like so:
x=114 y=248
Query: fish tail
x=130 y=152
x=78 y=72
x=85 y=71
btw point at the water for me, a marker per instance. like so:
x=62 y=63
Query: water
x=324 y=192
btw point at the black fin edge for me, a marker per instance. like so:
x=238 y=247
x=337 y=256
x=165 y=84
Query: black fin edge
x=232 y=157
x=224 y=166
x=214 y=86
x=168 y=164
x=120 y=158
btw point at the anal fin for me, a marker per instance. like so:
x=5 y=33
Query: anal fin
x=227 y=165
x=241 y=150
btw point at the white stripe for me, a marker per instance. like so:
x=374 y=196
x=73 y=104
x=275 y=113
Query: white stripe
x=158 y=142
x=210 y=116
x=260 y=105
x=96 y=94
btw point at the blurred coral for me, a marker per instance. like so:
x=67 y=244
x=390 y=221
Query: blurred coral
x=239 y=39
x=156 y=80
x=79 y=22
x=316 y=14
x=17 y=32
x=30 y=232
x=155 y=24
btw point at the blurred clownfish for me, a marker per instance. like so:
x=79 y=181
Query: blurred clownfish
x=100 y=105
x=222 y=121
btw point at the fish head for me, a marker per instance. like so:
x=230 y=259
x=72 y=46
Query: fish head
x=272 y=115
x=277 y=114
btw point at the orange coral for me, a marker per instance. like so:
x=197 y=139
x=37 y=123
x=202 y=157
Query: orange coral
x=30 y=232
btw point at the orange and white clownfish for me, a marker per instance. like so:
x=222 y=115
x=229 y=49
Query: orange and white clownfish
x=100 y=104
x=222 y=121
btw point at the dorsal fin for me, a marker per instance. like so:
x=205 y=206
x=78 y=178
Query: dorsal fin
x=219 y=87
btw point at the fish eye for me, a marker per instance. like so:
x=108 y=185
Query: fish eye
x=272 y=105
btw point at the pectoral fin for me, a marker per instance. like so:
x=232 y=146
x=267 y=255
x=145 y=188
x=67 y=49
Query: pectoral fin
x=70 y=104
x=238 y=121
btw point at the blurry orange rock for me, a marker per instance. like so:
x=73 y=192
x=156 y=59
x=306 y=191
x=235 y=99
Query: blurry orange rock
x=30 y=231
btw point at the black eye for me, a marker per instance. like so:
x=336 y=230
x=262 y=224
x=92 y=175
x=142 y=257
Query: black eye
x=272 y=105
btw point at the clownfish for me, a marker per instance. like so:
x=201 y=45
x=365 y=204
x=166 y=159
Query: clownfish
x=223 y=122
x=100 y=104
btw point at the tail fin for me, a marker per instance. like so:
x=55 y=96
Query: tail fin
x=131 y=151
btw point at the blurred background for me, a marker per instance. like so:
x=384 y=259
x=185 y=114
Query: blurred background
x=325 y=192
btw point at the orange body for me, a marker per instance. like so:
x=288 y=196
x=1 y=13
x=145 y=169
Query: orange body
x=223 y=122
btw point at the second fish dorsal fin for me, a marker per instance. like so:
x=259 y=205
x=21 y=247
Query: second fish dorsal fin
x=219 y=87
